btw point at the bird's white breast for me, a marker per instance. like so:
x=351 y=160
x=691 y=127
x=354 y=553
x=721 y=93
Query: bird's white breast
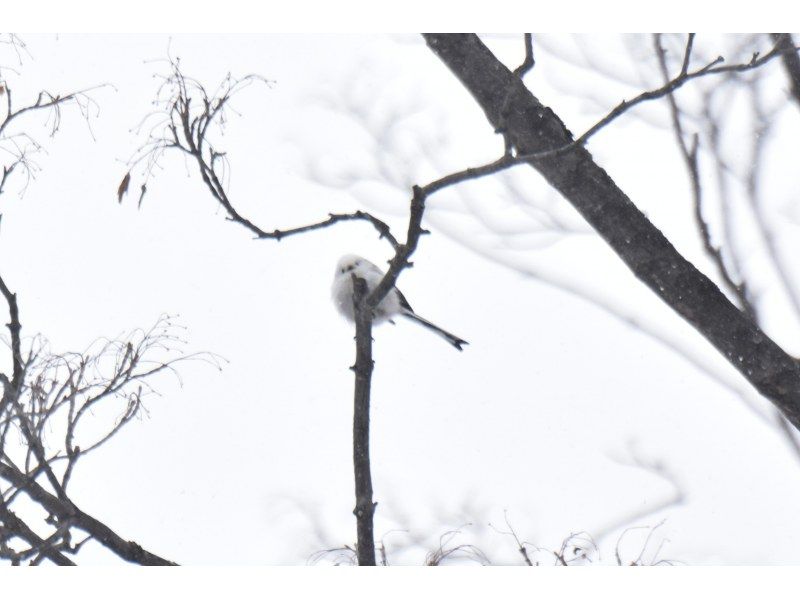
x=342 y=292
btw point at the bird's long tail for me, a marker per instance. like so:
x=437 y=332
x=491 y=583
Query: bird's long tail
x=450 y=338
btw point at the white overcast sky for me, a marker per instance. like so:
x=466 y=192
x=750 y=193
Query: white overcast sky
x=539 y=419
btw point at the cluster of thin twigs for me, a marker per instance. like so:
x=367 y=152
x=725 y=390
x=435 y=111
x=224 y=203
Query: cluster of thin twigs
x=57 y=407
x=75 y=402
x=576 y=549
x=17 y=147
x=721 y=247
x=61 y=407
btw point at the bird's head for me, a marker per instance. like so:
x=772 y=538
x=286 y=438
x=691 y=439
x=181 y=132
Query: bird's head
x=348 y=263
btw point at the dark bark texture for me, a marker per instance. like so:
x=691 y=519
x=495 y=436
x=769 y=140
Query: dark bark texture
x=532 y=128
x=65 y=510
x=791 y=62
x=365 y=508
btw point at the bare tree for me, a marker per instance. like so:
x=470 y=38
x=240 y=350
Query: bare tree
x=190 y=111
x=541 y=140
x=533 y=135
x=49 y=421
x=58 y=407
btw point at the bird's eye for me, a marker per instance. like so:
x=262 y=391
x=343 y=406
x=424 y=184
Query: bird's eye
x=343 y=270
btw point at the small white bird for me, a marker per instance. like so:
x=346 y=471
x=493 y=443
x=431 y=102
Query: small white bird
x=393 y=304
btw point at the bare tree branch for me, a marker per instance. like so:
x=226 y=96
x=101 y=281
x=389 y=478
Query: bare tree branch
x=642 y=247
x=63 y=510
x=446 y=551
x=670 y=86
x=44 y=101
x=54 y=392
x=761 y=134
x=529 y=61
x=16 y=526
x=365 y=507
x=689 y=155
x=791 y=61
x=12 y=386
x=186 y=131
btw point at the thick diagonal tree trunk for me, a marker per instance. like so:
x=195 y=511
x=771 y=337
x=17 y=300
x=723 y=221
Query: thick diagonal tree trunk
x=791 y=62
x=533 y=128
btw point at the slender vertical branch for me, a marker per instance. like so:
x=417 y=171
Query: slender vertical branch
x=529 y=61
x=11 y=391
x=364 y=304
x=365 y=508
x=14 y=328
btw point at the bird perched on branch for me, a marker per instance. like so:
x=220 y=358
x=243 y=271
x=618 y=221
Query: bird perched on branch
x=393 y=304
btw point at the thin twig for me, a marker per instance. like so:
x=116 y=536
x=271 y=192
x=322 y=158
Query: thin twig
x=529 y=61
x=670 y=86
